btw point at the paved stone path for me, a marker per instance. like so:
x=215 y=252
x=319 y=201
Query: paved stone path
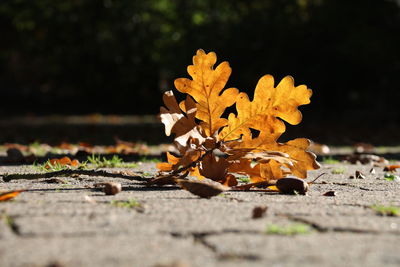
x=73 y=225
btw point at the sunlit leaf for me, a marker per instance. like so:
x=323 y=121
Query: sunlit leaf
x=9 y=195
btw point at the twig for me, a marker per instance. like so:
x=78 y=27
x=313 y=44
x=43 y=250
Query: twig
x=33 y=176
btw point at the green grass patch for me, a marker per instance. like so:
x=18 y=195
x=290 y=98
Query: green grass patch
x=340 y=170
x=149 y=160
x=115 y=162
x=131 y=203
x=291 y=229
x=49 y=167
x=330 y=160
x=386 y=210
x=147 y=174
x=390 y=177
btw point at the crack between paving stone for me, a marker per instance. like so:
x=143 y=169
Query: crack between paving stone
x=354 y=186
x=201 y=238
x=324 y=229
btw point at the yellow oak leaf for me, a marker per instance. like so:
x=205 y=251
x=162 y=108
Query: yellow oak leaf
x=263 y=113
x=206 y=88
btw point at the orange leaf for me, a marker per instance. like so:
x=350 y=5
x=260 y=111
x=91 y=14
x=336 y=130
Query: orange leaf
x=167 y=166
x=74 y=163
x=65 y=161
x=206 y=88
x=230 y=180
x=391 y=168
x=265 y=114
x=9 y=195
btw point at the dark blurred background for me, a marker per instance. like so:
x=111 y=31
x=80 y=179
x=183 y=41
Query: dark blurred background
x=118 y=56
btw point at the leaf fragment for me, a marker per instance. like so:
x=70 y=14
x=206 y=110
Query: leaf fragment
x=391 y=168
x=8 y=195
x=64 y=161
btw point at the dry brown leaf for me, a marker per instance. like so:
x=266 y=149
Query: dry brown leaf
x=214 y=168
x=176 y=121
x=201 y=188
x=230 y=180
x=391 y=168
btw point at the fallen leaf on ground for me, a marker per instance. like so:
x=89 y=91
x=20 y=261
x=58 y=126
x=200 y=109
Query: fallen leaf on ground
x=259 y=212
x=391 y=168
x=65 y=161
x=9 y=195
x=200 y=188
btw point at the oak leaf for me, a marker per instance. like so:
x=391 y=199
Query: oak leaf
x=207 y=89
x=246 y=142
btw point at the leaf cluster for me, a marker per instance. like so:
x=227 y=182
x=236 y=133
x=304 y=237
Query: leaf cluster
x=211 y=145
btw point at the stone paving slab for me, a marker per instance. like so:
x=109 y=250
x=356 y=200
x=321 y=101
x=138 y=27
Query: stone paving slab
x=58 y=225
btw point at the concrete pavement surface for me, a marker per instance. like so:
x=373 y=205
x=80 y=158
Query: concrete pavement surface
x=72 y=224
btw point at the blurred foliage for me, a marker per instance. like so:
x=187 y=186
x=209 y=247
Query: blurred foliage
x=116 y=56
